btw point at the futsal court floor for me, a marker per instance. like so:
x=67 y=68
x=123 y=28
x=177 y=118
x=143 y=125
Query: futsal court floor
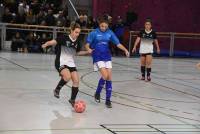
x=170 y=104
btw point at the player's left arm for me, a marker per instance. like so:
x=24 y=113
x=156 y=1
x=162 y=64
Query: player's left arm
x=80 y=52
x=120 y=46
x=156 y=42
x=157 y=45
x=115 y=40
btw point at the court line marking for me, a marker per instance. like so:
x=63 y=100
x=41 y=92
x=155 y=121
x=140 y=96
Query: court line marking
x=108 y=129
x=156 y=129
x=27 y=68
x=14 y=63
x=160 y=128
x=93 y=87
x=22 y=67
x=156 y=111
x=186 y=93
x=145 y=97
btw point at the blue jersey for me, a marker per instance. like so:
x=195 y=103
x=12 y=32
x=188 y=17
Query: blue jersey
x=99 y=41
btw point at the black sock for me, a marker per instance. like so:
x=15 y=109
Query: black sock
x=74 y=93
x=148 y=71
x=143 y=71
x=61 y=83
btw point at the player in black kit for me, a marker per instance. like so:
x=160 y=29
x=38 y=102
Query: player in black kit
x=67 y=47
x=146 y=39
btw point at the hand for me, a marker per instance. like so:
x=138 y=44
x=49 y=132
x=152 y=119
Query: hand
x=198 y=66
x=134 y=50
x=158 y=51
x=127 y=53
x=90 y=50
x=44 y=45
x=82 y=53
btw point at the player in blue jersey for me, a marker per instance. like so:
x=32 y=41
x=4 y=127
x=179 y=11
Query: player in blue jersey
x=98 y=45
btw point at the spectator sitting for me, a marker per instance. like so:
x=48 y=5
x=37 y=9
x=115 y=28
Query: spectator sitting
x=31 y=42
x=40 y=17
x=43 y=23
x=41 y=40
x=96 y=25
x=68 y=22
x=50 y=18
x=81 y=21
x=30 y=18
x=90 y=22
x=7 y=16
x=21 y=8
x=35 y=6
x=119 y=29
x=1 y=11
x=17 y=43
x=61 y=21
x=20 y=18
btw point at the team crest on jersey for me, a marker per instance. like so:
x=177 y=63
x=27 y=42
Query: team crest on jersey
x=68 y=43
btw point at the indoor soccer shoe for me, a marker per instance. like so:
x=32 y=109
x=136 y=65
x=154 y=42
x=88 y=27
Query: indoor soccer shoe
x=72 y=102
x=108 y=104
x=97 y=97
x=148 y=78
x=56 y=93
x=142 y=78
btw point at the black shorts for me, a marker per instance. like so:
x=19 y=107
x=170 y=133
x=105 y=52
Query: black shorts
x=71 y=69
x=145 y=54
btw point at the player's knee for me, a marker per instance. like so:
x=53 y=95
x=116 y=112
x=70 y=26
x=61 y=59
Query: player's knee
x=148 y=63
x=143 y=62
x=148 y=66
x=76 y=82
x=66 y=77
x=109 y=78
x=105 y=77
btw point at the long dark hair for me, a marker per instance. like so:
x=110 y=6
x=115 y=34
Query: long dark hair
x=148 y=20
x=103 y=19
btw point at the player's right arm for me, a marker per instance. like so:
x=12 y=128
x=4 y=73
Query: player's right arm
x=89 y=41
x=137 y=41
x=87 y=47
x=49 y=43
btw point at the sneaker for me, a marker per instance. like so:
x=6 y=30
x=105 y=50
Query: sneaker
x=97 y=97
x=142 y=78
x=72 y=102
x=148 y=78
x=56 y=93
x=108 y=104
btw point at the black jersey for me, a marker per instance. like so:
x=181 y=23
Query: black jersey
x=147 y=39
x=147 y=35
x=66 y=50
